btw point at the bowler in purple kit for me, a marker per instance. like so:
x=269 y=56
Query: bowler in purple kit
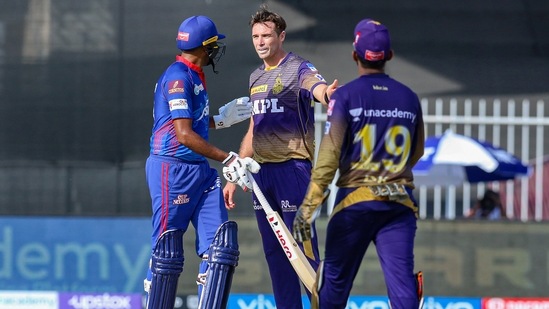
x=280 y=138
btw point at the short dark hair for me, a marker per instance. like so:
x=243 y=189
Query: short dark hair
x=377 y=65
x=264 y=15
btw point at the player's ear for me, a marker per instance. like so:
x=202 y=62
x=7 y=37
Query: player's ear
x=355 y=57
x=282 y=35
x=390 y=56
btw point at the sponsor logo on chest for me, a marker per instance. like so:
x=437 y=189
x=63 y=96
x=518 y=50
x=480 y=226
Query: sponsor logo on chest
x=265 y=106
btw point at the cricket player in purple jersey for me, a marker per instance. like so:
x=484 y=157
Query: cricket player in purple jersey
x=281 y=138
x=183 y=187
x=374 y=135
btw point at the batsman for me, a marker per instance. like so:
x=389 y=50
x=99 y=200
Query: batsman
x=183 y=187
x=374 y=135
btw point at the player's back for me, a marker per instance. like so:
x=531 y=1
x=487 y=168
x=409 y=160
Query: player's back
x=179 y=93
x=382 y=120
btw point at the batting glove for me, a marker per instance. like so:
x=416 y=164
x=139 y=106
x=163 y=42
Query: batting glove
x=233 y=112
x=237 y=169
x=308 y=212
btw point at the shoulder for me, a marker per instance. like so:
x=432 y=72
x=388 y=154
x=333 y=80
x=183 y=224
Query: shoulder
x=402 y=86
x=177 y=68
x=177 y=71
x=302 y=62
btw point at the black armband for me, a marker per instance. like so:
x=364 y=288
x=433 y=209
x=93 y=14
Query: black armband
x=326 y=99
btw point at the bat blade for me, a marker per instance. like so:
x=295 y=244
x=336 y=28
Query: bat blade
x=297 y=259
x=294 y=254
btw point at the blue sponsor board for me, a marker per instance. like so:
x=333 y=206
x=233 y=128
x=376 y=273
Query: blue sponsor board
x=55 y=300
x=74 y=254
x=452 y=303
x=266 y=301
x=29 y=300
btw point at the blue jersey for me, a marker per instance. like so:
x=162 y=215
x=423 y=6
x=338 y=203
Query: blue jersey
x=179 y=93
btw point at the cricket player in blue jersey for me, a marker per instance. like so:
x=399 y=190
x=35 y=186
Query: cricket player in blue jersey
x=281 y=138
x=183 y=187
x=374 y=135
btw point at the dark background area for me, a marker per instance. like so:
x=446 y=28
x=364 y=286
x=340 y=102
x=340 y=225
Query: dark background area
x=77 y=79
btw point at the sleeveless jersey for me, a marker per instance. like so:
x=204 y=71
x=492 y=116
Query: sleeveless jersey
x=283 y=110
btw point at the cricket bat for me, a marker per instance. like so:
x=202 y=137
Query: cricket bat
x=296 y=257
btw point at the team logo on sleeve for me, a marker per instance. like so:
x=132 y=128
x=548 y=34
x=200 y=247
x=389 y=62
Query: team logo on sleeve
x=175 y=86
x=319 y=77
x=178 y=104
x=311 y=67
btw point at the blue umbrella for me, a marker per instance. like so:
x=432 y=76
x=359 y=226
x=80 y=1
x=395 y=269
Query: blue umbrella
x=452 y=159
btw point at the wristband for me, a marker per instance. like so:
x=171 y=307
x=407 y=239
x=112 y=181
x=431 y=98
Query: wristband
x=230 y=157
x=326 y=99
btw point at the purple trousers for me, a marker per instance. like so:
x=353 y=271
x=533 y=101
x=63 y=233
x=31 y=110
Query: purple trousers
x=284 y=186
x=392 y=228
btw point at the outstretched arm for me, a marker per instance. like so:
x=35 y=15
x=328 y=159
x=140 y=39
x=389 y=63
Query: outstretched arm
x=323 y=92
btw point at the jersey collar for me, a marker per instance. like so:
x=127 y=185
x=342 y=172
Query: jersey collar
x=193 y=67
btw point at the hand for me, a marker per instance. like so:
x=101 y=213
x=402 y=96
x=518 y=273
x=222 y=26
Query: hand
x=237 y=169
x=233 y=112
x=330 y=90
x=228 y=195
x=308 y=212
x=301 y=228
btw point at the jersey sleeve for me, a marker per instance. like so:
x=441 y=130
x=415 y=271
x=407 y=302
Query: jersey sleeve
x=332 y=143
x=309 y=77
x=178 y=93
x=419 y=139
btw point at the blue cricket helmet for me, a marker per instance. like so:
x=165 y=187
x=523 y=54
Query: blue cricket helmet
x=197 y=31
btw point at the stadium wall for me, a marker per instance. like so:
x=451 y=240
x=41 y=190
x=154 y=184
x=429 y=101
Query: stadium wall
x=110 y=255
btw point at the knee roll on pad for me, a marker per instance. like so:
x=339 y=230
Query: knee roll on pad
x=166 y=266
x=222 y=261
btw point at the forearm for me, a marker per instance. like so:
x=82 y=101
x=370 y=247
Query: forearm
x=199 y=145
x=246 y=149
x=320 y=93
x=323 y=92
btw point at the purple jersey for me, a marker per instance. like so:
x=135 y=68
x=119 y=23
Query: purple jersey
x=284 y=125
x=179 y=93
x=374 y=134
